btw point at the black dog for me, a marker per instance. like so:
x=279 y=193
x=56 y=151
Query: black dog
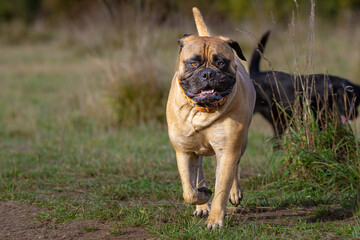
x=276 y=93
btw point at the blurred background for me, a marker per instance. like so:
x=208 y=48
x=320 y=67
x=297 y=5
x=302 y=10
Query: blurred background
x=110 y=62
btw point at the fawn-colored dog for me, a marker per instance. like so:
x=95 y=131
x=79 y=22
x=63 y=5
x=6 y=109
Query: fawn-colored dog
x=209 y=111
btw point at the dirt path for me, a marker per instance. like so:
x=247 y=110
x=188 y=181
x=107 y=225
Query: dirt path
x=17 y=221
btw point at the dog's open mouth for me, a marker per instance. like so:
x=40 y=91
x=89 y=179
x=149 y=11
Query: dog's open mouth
x=208 y=96
x=204 y=93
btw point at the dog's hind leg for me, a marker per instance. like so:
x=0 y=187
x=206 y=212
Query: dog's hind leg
x=203 y=209
x=188 y=168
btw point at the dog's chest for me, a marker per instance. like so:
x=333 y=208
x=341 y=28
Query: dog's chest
x=203 y=142
x=191 y=142
x=195 y=121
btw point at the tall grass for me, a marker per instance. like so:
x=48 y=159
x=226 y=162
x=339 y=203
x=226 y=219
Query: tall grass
x=318 y=153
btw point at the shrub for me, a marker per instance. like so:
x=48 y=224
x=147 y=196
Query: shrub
x=138 y=99
x=139 y=61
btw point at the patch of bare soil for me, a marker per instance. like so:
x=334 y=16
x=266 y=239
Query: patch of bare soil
x=269 y=214
x=18 y=221
x=287 y=216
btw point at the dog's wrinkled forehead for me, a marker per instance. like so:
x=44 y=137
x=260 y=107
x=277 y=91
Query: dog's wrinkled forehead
x=204 y=46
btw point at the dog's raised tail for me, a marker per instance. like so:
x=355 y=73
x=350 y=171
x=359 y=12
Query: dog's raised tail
x=255 y=59
x=200 y=24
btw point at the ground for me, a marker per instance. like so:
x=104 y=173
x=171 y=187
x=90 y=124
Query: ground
x=18 y=221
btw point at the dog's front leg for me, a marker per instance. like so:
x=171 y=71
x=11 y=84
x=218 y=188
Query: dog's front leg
x=236 y=192
x=188 y=168
x=225 y=173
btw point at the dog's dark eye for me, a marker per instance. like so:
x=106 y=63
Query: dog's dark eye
x=193 y=64
x=221 y=64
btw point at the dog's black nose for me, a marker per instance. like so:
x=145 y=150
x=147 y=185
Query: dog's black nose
x=208 y=74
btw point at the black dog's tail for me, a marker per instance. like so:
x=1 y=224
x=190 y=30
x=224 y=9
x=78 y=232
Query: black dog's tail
x=255 y=60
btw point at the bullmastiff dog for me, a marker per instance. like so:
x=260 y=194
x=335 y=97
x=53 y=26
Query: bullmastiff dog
x=209 y=110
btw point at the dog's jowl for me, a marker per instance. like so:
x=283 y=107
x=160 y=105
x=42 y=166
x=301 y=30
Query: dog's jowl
x=209 y=110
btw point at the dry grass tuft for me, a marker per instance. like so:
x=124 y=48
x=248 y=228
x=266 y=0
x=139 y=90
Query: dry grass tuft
x=137 y=59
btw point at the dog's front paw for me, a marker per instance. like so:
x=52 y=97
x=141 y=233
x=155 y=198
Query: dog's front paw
x=204 y=195
x=235 y=197
x=205 y=191
x=198 y=197
x=214 y=224
x=201 y=210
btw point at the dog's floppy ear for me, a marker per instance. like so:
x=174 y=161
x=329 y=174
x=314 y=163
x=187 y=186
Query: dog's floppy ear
x=234 y=45
x=181 y=41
